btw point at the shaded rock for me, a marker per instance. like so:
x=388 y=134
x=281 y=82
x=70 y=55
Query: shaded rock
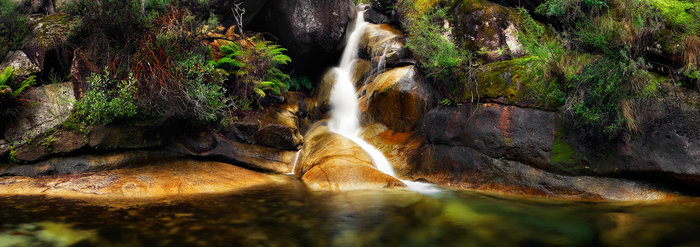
x=40 y=6
x=214 y=146
x=48 y=35
x=18 y=60
x=157 y=180
x=87 y=163
x=312 y=31
x=514 y=133
x=383 y=5
x=397 y=98
x=80 y=69
x=330 y=161
x=383 y=45
x=125 y=137
x=376 y=17
x=665 y=151
x=279 y=136
x=60 y=141
x=467 y=168
x=224 y=8
x=51 y=105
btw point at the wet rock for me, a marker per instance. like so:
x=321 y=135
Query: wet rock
x=157 y=180
x=397 y=98
x=322 y=96
x=51 y=105
x=383 y=45
x=499 y=131
x=224 y=8
x=312 y=31
x=18 y=60
x=361 y=72
x=330 y=161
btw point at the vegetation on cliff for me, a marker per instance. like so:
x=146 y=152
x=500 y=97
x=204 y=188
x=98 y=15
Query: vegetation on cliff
x=598 y=61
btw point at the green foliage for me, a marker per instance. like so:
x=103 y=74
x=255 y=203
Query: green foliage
x=9 y=89
x=256 y=65
x=426 y=38
x=678 y=14
x=573 y=8
x=13 y=155
x=13 y=28
x=48 y=141
x=299 y=83
x=108 y=100
x=203 y=84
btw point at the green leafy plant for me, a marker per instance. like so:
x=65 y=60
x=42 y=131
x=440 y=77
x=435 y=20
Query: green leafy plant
x=255 y=65
x=108 y=100
x=437 y=55
x=9 y=89
x=299 y=83
x=47 y=143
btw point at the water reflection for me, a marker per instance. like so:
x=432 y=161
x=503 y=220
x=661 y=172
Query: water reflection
x=296 y=217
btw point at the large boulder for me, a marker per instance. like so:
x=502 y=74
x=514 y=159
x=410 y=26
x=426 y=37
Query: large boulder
x=20 y=62
x=499 y=131
x=397 y=98
x=312 y=31
x=330 y=161
x=50 y=106
x=665 y=150
x=467 y=168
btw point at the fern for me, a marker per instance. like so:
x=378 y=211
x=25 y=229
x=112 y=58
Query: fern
x=8 y=86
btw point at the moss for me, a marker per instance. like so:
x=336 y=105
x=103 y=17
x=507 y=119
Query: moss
x=679 y=14
x=499 y=80
x=53 y=30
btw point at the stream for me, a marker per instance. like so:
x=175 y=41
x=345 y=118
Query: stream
x=296 y=216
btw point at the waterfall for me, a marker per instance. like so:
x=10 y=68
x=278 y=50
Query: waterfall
x=296 y=159
x=345 y=114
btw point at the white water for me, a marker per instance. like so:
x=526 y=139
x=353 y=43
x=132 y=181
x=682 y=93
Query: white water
x=296 y=159
x=345 y=114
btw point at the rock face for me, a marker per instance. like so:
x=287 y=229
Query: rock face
x=397 y=98
x=510 y=132
x=18 y=60
x=52 y=105
x=312 y=31
x=666 y=150
x=153 y=181
x=332 y=162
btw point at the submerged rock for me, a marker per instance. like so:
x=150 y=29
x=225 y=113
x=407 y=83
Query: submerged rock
x=330 y=161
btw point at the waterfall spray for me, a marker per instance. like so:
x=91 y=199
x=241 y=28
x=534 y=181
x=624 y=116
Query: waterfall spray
x=345 y=112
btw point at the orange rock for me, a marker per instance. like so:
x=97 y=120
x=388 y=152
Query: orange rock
x=154 y=181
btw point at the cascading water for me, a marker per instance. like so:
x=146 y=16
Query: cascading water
x=345 y=107
x=296 y=159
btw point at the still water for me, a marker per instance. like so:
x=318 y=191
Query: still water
x=294 y=216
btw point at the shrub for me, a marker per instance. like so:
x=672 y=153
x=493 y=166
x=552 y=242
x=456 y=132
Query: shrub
x=13 y=28
x=438 y=56
x=108 y=100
